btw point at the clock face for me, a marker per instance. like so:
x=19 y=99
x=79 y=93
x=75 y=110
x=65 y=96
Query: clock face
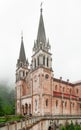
x=46 y=76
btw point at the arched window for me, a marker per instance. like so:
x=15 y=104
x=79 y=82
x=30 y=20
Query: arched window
x=29 y=108
x=26 y=107
x=23 y=73
x=38 y=61
x=63 y=89
x=73 y=104
x=35 y=105
x=35 y=62
x=60 y=88
x=56 y=87
x=46 y=102
x=47 y=61
x=65 y=104
x=46 y=76
x=70 y=90
x=43 y=60
x=56 y=103
x=21 y=64
x=77 y=90
x=26 y=73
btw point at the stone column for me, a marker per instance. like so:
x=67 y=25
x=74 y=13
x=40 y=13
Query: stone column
x=15 y=125
x=7 y=124
x=21 y=123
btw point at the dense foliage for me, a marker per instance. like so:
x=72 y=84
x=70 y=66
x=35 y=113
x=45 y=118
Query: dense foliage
x=71 y=126
x=10 y=118
x=7 y=100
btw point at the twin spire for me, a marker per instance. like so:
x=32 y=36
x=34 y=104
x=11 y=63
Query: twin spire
x=40 y=43
x=22 y=57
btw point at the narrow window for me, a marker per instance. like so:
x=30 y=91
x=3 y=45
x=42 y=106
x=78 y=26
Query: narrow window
x=21 y=64
x=46 y=76
x=29 y=108
x=73 y=104
x=63 y=89
x=38 y=61
x=46 y=102
x=70 y=90
x=56 y=87
x=65 y=104
x=77 y=90
x=56 y=103
x=35 y=63
x=26 y=73
x=60 y=88
x=43 y=60
x=47 y=61
x=23 y=73
x=35 y=105
x=26 y=107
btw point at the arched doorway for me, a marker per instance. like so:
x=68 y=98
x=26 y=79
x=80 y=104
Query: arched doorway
x=26 y=108
x=29 y=108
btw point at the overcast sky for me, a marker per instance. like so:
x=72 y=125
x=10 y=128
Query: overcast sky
x=62 y=20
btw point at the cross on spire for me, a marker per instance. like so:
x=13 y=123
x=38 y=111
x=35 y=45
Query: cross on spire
x=41 y=7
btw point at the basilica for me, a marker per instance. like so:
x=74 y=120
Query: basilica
x=38 y=92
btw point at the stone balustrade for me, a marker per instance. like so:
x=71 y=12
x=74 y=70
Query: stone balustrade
x=28 y=123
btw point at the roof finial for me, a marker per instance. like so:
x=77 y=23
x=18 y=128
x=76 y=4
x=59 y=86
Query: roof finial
x=41 y=7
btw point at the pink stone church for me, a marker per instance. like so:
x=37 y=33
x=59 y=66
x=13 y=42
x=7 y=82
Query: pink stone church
x=38 y=92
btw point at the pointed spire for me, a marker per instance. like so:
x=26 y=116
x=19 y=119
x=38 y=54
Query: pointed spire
x=41 y=42
x=22 y=56
x=41 y=36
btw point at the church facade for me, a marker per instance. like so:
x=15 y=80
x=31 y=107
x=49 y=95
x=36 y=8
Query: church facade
x=38 y=92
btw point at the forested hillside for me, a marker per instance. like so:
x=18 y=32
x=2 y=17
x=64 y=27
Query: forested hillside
x=7 y=100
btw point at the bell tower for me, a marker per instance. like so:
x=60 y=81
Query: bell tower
x=41 y=69
x=21 y=74
x=41 y=56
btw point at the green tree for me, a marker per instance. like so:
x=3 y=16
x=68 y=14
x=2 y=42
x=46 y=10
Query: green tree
x=1 y=108
x=7 y=100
